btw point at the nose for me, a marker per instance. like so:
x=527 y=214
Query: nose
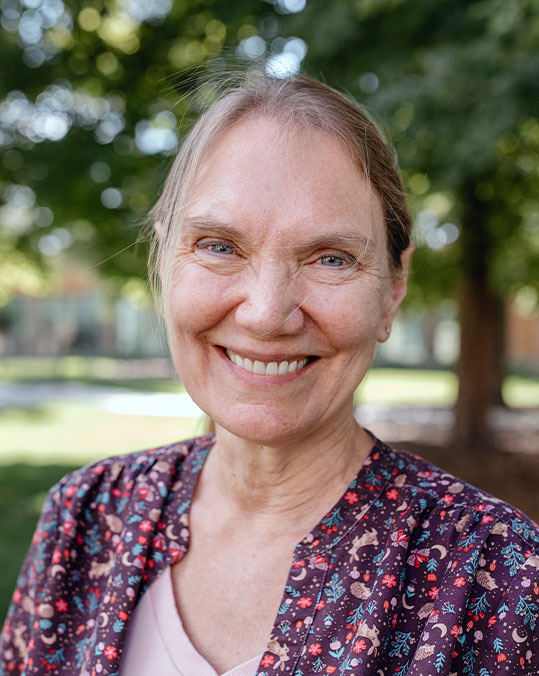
x=271 y=305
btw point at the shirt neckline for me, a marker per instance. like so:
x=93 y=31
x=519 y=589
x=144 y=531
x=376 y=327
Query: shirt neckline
x=376 y=470
x=181 y=650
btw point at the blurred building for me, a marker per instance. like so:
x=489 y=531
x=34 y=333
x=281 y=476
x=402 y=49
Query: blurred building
x=82 y=316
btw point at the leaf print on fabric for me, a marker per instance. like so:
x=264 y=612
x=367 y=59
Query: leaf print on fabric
x=529 y=610
x=55 y=658
x=318 y=665
x=80 y=653
x=284 y=626
x=524 y=529
x=439 y=662
x=469 y=661
x=199 y=461
x=471 y=564
x=400 y=645
x=118 y=626
x=92 y=540
x=292 y=591
x=335 y=588
x=183 y=507
x=332 y=520
x=514 y=558
x=355 y=616
x=498 y=645
x=479 y=605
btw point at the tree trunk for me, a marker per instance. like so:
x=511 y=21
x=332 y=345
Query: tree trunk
x=481 y=362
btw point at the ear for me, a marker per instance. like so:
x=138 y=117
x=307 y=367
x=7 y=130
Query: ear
x=395 y=294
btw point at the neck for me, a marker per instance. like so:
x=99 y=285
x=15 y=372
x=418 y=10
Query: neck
x=253 y=481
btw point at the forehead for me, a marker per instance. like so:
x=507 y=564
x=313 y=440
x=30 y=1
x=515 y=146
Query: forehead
x=277 y=180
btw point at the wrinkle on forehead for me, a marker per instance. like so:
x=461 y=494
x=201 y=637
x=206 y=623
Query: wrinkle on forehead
x=291 y=163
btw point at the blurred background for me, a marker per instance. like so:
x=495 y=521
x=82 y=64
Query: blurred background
x=94 y=99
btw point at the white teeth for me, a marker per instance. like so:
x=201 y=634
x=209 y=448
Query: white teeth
x=283 y=368
x=272 y=368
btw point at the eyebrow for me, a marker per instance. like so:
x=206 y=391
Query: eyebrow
x=329 y=240
x=202 y=224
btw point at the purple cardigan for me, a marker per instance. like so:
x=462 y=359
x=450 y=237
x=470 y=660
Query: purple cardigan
x=412 y=572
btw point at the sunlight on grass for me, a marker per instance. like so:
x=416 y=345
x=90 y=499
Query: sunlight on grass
x=77 y=433
x=407 y=387
x=519 y=391
x=438 y=388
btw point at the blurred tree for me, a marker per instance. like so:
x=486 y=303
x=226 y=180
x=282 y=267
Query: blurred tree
x=90 y=101
x=89 y=110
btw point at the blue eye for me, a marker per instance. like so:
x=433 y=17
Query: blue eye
x=216 y=247
x=333 y=261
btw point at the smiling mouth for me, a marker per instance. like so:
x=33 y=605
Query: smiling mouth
x=272 y=368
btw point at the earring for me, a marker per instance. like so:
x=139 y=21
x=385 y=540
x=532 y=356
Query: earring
x=388 y=330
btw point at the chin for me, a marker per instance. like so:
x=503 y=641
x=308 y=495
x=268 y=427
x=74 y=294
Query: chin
x=264 y=429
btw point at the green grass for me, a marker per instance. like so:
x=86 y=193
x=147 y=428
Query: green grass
x=520 y=391
x=437 y=388
x=407 y=387
x=77 y=433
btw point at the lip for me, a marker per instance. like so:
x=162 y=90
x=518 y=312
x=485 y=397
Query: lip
x=267 y=359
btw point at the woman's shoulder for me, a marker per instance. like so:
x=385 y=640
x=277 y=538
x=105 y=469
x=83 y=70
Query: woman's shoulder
x=445 y=497
x=122 y=474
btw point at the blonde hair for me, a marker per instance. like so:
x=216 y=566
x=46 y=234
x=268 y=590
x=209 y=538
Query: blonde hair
x=299 y=101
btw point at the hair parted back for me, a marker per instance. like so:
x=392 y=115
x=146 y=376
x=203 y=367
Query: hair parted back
x=298 y=101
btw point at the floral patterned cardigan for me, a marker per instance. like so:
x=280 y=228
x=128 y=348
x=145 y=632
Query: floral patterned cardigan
x=412 y=573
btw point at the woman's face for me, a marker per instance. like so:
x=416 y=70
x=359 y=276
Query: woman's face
x=280 y=284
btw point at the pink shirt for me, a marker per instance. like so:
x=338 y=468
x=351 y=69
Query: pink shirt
x=156 y=641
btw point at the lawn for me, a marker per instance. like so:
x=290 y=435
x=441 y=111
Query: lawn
x=75 y=433
x=407 y=387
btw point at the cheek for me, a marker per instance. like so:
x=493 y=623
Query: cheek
x=195 y=302
x=353 y=318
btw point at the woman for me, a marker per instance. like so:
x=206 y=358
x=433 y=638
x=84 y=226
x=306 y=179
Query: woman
x=292 y=542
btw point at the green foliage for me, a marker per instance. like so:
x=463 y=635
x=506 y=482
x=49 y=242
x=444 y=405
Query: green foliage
x=89 y=109
x=93 y=96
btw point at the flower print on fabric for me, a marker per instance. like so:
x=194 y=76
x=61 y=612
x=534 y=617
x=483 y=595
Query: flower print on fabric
x=412 y=573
